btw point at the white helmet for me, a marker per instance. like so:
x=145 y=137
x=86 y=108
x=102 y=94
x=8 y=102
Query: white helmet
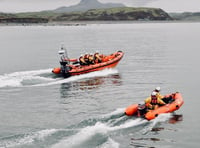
x=153 y=93
x=157 y=89
x=141 y=105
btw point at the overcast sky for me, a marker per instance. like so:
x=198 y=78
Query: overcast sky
x=38 y=5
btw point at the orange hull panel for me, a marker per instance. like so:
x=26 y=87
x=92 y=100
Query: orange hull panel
x=56 y=70
x=131 y=110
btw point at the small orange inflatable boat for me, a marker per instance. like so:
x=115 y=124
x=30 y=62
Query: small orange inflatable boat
x=66 y=69
x=173 y=102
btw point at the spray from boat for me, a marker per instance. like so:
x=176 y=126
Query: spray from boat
x=44 y=77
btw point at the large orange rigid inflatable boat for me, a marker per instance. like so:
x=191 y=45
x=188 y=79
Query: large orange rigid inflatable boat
x=67 y=69
x=174 y=102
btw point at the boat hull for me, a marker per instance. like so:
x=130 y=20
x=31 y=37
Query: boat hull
x=168 y=108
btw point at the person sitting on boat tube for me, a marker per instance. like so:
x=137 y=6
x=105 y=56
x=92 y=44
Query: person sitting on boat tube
x=154 y=102
x=97 y=58
x=86 y=58
x=91 y=59
x=82 y=61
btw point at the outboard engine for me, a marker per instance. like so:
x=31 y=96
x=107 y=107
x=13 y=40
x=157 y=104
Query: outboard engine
x=65 y=69
x=64 y=62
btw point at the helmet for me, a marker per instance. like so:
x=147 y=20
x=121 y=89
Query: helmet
x=153 y=93
x=141 y=105
x=157 y=89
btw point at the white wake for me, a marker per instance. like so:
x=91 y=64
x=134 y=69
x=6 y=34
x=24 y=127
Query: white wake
x=40 y=78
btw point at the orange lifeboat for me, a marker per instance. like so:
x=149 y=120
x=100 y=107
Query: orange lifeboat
x=174 y=102
x=109 y=61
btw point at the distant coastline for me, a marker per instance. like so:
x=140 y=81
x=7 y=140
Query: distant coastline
x=107 y=14
x=95 y=15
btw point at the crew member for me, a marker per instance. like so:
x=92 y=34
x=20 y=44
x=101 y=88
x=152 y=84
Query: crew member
x=91 y=59
x=86 y=58
x=154 y=102
x=82 y=61
x=97 y=58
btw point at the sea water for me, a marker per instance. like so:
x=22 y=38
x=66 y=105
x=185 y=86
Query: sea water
x=41 y=110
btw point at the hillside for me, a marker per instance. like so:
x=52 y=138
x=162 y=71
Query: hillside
x=123 y=13
x=109 y=14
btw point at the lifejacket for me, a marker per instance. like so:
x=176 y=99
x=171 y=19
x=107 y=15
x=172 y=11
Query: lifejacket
x=154 y=101
x=91 y=59
x=97 y=58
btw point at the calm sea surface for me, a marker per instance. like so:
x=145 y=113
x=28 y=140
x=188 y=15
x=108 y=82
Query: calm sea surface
x=40 y=110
